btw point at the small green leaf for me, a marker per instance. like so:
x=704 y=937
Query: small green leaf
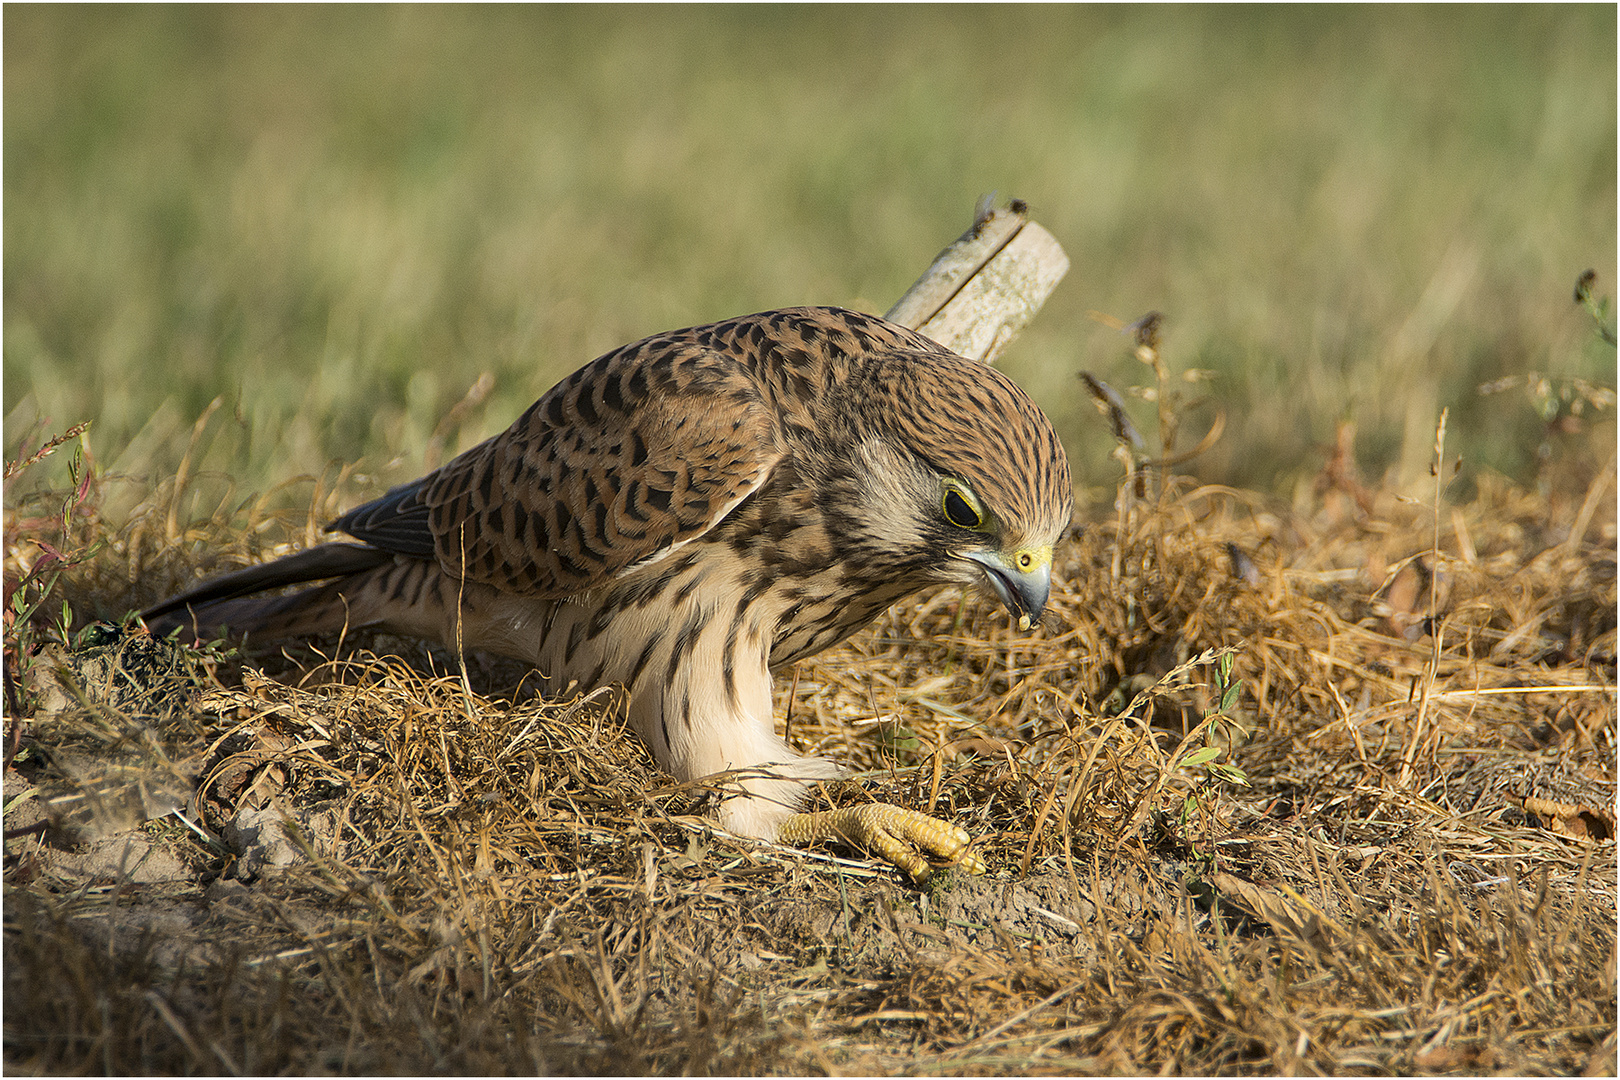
x=1201 y=756
x=1229 y=699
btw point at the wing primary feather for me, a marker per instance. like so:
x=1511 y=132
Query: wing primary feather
x=314 y=564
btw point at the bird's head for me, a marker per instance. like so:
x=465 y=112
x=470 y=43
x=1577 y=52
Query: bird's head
x=973 y=485
x=1016 y=566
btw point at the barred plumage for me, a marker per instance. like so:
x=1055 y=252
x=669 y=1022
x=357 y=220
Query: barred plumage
x=691 y=512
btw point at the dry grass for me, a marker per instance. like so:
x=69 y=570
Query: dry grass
x=369 y=865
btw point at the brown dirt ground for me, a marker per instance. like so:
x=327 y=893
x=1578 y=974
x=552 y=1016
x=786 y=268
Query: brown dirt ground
x=285 y=864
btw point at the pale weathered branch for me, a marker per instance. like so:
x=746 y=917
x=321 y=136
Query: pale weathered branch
x=986 y=287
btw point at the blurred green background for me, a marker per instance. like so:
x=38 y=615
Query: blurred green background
x=340 y=217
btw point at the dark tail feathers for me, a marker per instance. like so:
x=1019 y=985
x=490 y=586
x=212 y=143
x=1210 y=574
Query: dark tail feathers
x=205 y=606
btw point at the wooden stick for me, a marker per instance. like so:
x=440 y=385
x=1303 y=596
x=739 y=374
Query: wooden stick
x=985 y=288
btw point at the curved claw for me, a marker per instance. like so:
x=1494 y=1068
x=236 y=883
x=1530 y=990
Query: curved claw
x=889 y=831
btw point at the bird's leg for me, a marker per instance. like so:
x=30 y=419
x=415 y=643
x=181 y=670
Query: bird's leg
x=889 y=831
x=714 y=717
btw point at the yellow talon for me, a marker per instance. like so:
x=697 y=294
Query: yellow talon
x=889 y=831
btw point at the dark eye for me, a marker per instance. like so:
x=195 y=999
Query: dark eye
x=958 y=512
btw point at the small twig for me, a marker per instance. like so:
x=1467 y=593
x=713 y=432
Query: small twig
x=1431 y=670
x=27 y=830
x=13 y=468
x=171 y=524
x=1210 y=438
x=1589 y=505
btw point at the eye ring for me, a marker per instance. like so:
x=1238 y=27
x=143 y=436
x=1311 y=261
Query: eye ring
x=959 y=512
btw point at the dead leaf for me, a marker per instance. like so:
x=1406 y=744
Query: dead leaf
x=983 y=745
x=1569 y=819
x=1283 y=915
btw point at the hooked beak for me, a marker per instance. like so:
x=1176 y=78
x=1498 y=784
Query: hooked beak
x=1023 y=591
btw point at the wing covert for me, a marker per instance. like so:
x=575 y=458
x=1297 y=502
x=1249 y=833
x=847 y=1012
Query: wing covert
x=397 y=522
x=617 y=465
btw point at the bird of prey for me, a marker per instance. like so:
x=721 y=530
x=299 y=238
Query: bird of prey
x=690 y=513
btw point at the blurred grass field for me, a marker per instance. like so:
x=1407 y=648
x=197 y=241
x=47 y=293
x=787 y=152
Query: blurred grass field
x=339 y=218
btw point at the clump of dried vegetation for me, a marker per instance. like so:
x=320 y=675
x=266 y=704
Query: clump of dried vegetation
x=1326 y=787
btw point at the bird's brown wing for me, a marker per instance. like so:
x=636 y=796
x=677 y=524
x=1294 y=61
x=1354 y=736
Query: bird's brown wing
x=616 y=466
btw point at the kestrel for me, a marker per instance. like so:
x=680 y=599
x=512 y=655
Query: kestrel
x=691 y=513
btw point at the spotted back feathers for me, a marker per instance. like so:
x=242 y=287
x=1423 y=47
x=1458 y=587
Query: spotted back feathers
x=652 y=445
